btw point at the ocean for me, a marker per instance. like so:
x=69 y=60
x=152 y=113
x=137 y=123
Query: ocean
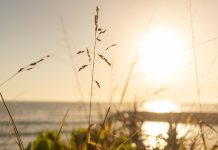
x=34 y=117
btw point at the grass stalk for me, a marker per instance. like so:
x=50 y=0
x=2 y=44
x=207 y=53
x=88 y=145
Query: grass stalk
x=102 y=126
x=126 y=84
x=196 y=69
x=26 y=68
x=93 y=66
x=129 y=138
x=11 y=77
x=60 y=128
x=19 y=141
x=69 y=47
x=211 y=127
x=195 y=56
x=202 y=135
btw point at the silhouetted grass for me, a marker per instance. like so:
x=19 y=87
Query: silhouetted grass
x=60 y=128
x=114 y=138
x=19 y=141
x=98 y=31
x=196 y=70
x=102 y=126
x=26 y=68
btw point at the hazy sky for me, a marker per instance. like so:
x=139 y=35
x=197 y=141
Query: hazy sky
x=32 y=29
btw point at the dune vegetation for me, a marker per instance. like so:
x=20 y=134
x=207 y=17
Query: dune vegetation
x=112 y=132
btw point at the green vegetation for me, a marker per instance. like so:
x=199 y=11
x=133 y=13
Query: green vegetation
x=79 y=141
x=112 y=134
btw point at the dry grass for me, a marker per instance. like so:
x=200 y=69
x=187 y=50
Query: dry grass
x=102 y=126
x=98 y=31
x=60 y=128
x=196 y=71
x=26 y=68
x=69 y=49
x=19 y=141
x=93 y=66
x=23 y=69
x=126 y=85
x=92 y=62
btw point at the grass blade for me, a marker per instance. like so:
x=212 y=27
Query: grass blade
x=129 y=138
x=93 y=66
x=19 y=141
x=61 y=126
x=102 y=126
x=126 y=84
x=26 y=68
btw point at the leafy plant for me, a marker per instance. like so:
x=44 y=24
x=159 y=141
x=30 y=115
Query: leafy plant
x=45 y=141
x=78 y=140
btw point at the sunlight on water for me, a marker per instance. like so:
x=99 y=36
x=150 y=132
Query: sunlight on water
x=161 y=106
x=156 y=132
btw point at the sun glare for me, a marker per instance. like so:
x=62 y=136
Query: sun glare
x=154 y=129
x=161 y=106
x=162 y=54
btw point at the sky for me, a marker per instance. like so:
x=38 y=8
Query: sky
x=147 y=32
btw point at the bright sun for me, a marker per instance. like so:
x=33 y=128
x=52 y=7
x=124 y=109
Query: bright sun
x=162 y=54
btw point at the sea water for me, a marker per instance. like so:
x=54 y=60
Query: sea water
x=34 y=117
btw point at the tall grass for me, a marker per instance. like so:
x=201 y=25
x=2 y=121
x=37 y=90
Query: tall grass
x=69 y=49
x=196 y=71
x=98 y=31
x=102 y=126
x=19 y=141
x=60 y=128
x=93 y=65
x=126 y=85
x=25 y=68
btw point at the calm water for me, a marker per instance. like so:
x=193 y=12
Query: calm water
x=33 y=117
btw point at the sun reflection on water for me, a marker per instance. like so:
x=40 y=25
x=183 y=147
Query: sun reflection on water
x=156 y=132
x=161 y=106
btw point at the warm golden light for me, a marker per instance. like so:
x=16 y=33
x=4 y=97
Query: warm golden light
x=161 y=106
x=162 y=54
x=154 y=129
